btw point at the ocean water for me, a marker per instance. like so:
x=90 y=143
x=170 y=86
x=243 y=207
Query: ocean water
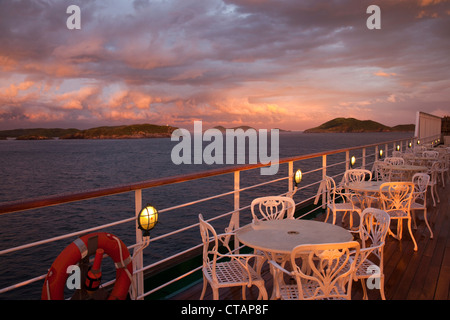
x=31 y=169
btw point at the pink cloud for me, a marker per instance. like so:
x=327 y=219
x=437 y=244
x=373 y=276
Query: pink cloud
x=261 y=63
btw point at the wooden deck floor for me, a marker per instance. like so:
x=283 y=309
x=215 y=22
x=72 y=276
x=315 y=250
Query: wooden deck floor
x=409 y=275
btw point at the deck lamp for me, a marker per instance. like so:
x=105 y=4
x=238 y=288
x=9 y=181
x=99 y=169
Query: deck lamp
x=398 y=147
x=352 y=161
x=410 y=144
x=298 y=177
x=381 y=153
x=147 y=219
x=418 y=141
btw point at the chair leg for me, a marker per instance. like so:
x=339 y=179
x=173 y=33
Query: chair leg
x=437 y=194
x=413 y=215
x=215 y=293
x=412 y=236
x=363 y=285
x=205 y=283
x=328 y=213
x=399 y=229
x=262 y=292
x=383 y=297
x=432 y=195
x=426 y=221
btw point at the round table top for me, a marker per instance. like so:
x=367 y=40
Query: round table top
x=407 y=167
x=282 y=236
x=365 y=186
x=422 y=158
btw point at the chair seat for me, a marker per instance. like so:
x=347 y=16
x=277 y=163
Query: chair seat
x=344 y=207
x=290 y=292
x=417 y=206
x=362 y=271
x=397 y=214
x=233 y=273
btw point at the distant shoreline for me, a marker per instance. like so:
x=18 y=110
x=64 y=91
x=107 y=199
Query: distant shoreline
x=138 y=131
x=352 y=125
x=149 y=131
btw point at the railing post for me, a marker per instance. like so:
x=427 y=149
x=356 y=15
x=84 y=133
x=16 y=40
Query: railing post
x=347 y=160
x=324 y=174
x=138 y=260
x=363 y=164
x=290 y=175
x=235 y=215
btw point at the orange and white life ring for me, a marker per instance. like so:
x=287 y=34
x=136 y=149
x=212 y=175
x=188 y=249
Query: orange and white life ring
x=56 y=278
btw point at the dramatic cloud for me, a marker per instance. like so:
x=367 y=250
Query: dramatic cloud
x=288 y=63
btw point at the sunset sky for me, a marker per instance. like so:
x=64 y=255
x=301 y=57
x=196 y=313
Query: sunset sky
x=290 y=64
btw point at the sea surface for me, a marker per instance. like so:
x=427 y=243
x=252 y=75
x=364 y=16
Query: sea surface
x=34 y=169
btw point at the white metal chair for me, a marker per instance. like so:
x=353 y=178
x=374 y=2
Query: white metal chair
x=444 y=167
x=234 y=270
x=381 y=171
x=321 y=271
x=270 y=208
x=430 y=154
x=434 y=173
x=356 y=175
x=419 y=201
x=394 y=160
x=273 y=208
x=373 y=229
x=396 y=198
x=395 y=175
x=334 y=195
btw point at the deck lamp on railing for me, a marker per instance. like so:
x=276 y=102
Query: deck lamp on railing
x=147 y=219
x=410 y=144
x=398 y=147
x=352 y=161
x=381 y=153
x=297 y=177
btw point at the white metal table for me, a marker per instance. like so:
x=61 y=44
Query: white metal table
x=277 y=238
x=407 y=171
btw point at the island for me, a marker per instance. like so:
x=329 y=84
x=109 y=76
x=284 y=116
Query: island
x=136 y=131
x=345 y=125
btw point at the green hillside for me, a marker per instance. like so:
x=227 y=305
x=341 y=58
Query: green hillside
x=355 y=125
x=106 y=132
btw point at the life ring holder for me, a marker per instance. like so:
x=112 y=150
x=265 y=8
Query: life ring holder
x=55 y=281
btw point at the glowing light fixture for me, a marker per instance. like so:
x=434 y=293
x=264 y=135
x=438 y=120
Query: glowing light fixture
x=381 y=153
x=398 y=147
x=410 y=145
x=147 y=219
x=298 y=177
x=352 y=161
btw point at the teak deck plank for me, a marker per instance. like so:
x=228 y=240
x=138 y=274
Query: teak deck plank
x=409 y=275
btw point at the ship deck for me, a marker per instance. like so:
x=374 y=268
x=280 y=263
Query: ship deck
x=409 y=275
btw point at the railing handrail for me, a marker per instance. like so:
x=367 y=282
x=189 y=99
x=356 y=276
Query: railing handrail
x=46 y=201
